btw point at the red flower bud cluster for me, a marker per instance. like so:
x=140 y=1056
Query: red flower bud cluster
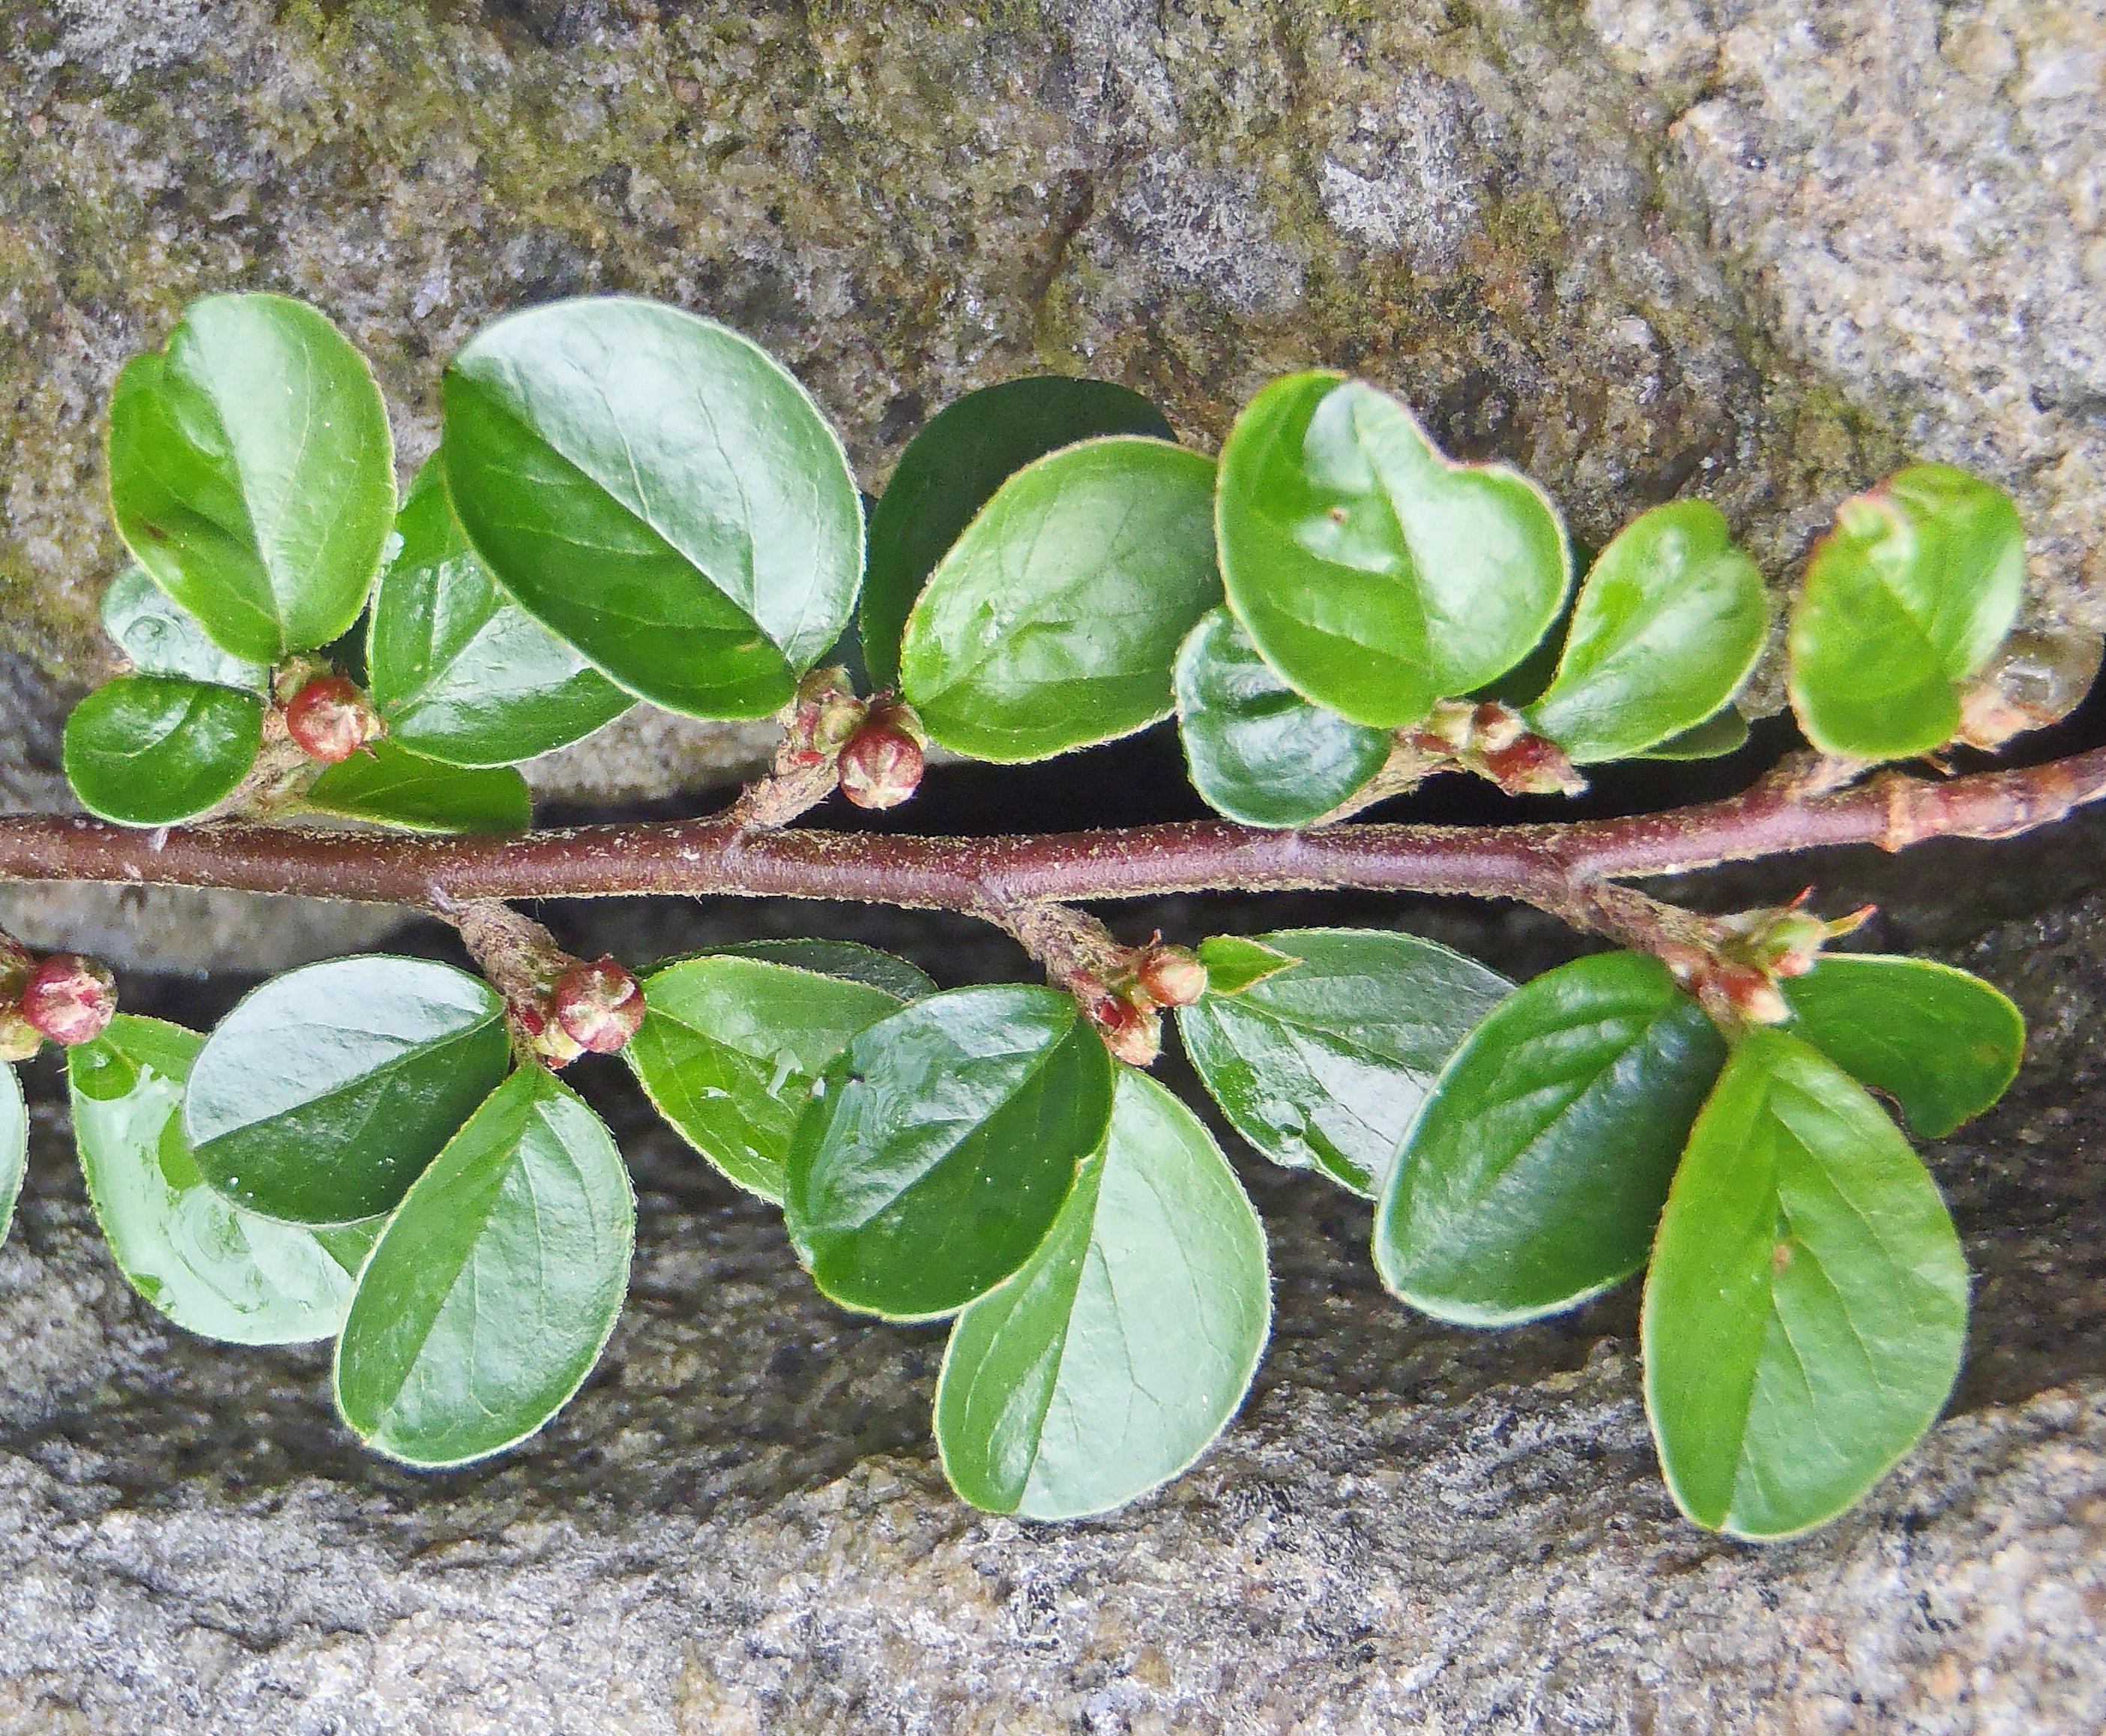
x=880 y=767
x=1494 y=741
x=1125 y=1010
x=585 y=1008
x=1736 y=978
x=329 y=719
x=63 y=997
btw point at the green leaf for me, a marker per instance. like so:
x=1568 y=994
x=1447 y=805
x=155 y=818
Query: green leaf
x=1726 y=732
x=1054 y=621
x=951 y=469
x=1257 y=751
x=1325 y=1063
x=1120 y=1351
x=153 y=749
x=253 y=474
x=850 y=961
x=1373 y=574
x=940 y=1145
x=1943 y=1044
x=1235 y=963
x=325 y=1092
x=659 y=492
x=1667 y=629
x=391 y=786
x=1807 y=1302
x=14 y=1146
x=461 y=672
x=1533 y=1177
x=163 y=638
x=1912 y=593
x=494 y=1288
x=729 y=1049
x=211 y=1267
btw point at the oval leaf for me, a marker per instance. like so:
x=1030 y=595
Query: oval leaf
x=1257 y=751
x=209 y=1266
x=1120 y=1351
x=1714 y=738
x=850 y=961
x=163 y=638
x=495 y=1287
x=940 y=1146
x=391 y=786
x=1668 y=626
x=729 y=1049
x=460 y=672
x=951 y=469
x=1373 y=574
x=660 y=493
x=14 y=1146
x=325 y=1092
x=1943 y=1044
x=1533 y=1177
x=1325 y=1063
x=1910 y=594
x=1054 y=620
x=1808 y=1301
x=155 y=749
x=253 y=474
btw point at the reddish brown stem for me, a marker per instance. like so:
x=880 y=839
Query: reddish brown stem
x=1554 y=866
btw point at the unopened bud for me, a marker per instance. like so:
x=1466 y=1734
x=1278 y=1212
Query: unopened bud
x=1530 y=765
x=554 y=1046
x=1751 y=995
x=70 y=999
x=598 y=1006
x=329 y=719
x=881 y=765
x=19 y=1038
x=1170 y=976
x=1132 y=1035
x=1495 y=727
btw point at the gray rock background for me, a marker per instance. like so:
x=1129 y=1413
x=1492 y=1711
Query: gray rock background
x=1755 y=250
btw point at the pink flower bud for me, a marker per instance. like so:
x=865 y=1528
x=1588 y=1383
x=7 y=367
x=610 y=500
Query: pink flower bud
x=329 y=719
x=881 y=765
x=1752 y=995
x=1132 y=1035
x=1529 y=765
x=19 y=1038
x=70 y=999
x=1170 y=976
x=598 y=1006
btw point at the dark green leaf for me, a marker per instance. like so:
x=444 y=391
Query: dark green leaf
x=1912 y=593
x=658 y=491
x=1943 y=1044
x=325 y=1092
x=951 y=469
x=1808 y=1301
x=211 y=1267
x=163 y=638
x=1373 y=574
x=1259 y=752
x=1234 y=963
x=1667 y=627
x=1533 y=1178
x=730 y=1047
x=1054 y=620
x=850 y=961
x=1326 y=1063
x=940 y=1146
x=494 y=1288
x=1119 y=1352
x=461 y=672
x=153 y=749
x=1716 y=736
x=391 y=786
x=253 y=473
x=14 y=1145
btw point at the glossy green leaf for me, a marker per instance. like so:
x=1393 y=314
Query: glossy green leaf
x=1235 y=963
x=495 y=1287
x=155 y=749
x=391 y=786
x=1257 y=750
x=1533 y=1177
x=163 y=638
x=730 y=1047
x=1726 y=732
x=1373 y=574
x=14 y=1146
x=1806 y=1305
x=1667 y=627
x=1912 y=593
x=940 y=1146
x=1326 y=1063
x=325 y=1092
x=1943 y=1044
x=850 y=961
x=253 y=474
x=1054 y=620
x=1120 y=1351
x=461 y=672
x=211 y=1267
x=953 y=466
x=659 y=492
